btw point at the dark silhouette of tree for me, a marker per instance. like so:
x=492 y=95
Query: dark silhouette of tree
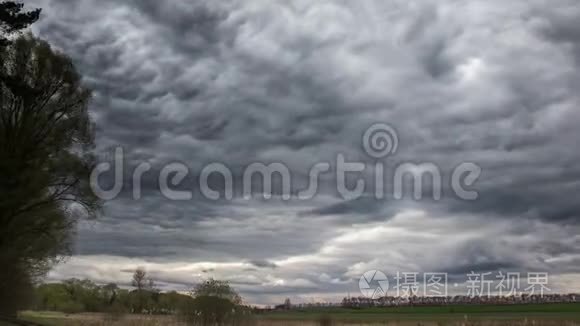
x=46 y=139
x=217 y=288
x=14 y=19
x=139 y=279
x=151 y=286
x=85 y=296
x=14 y=278
x=110 y=293
x=215 y=303
x=287 y=304
x=140 y=282
x=210 y=310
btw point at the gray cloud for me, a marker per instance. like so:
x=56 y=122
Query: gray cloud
x=244 y=81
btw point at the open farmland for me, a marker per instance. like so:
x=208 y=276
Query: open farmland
x=557 y=314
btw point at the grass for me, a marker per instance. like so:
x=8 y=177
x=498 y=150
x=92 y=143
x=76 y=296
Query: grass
x=553 y=314
x=61 y=319
x=560 y=308
x=559 y=313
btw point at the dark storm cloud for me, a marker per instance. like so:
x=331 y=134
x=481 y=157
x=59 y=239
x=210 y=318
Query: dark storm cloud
x=243 y=81
x=191 y=27
x=559 y=26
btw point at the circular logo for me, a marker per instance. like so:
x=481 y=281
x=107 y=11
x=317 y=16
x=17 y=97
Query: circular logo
x=373 y=284
x=380 y=140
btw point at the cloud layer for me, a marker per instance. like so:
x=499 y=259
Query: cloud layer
x=269 y=81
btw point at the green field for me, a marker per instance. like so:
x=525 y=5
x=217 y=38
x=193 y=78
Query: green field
x=572 y=308
x=545 y=314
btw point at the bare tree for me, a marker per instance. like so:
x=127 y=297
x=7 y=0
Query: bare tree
x=139 y=279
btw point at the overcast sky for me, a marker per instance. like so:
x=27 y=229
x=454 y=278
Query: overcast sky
x=490 y=82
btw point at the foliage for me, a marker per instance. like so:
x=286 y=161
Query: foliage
x=216 y=303
x=217 y=288
x=75 y=295
x=46 y=132
x=211 y=310
x=14 y=19
x=46 y=138
x=145 y=290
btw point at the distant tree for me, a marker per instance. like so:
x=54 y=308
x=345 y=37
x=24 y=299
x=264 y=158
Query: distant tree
x=76 y=295
x=210 y=310
x=151 y=286
x=139 y=279
x=287 y=304
x=172 y=302
x=110 y=293
x=153 y=296
x=216 y=288
x=85 y=293
x=112 y=302
x=215 y=303
x=140 y=296
x=14 y=19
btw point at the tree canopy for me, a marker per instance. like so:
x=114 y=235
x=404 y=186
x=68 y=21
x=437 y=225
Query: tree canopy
x=13 y=18
x=75 y=295
x=216 y=288
x=46 y=141
x=211 y=302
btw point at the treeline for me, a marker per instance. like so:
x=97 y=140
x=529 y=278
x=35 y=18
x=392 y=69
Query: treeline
x=208 y=303
x=211 y=302
x=75 y=296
